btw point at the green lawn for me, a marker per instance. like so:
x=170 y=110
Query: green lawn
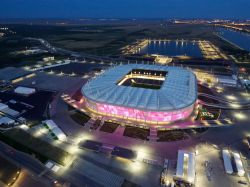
x=109 y=127
x=136 y=132
x=171 y=135
x=44 y=151
x=80 y=118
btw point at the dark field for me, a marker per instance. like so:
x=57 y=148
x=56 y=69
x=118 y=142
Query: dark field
x=136 y=132
x=31 y=145
x=109 y=127
x=80 y=118
x=12 y=44
x=102 y=39
x=171 y=135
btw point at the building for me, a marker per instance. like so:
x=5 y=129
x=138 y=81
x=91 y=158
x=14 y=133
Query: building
x=6 y=121
x=24 y=90
x=4 y=109
x=47 y=59
x=185 y=166
x=143 y=93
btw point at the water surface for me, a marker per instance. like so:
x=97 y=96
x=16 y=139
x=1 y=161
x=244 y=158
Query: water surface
x=172 y=48
x=238 y=38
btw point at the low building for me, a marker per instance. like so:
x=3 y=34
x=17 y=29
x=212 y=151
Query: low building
x=227 y=80
x=6 y=121
x=3 y=106
x=47 y=59
x=8 y=111
x=24 y=90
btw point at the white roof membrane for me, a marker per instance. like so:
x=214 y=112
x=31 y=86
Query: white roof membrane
x=179 y=90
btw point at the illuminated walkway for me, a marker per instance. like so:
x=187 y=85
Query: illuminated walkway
x=232 y=104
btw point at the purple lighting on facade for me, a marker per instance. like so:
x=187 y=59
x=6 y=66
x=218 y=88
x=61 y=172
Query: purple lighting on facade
x=136 y=114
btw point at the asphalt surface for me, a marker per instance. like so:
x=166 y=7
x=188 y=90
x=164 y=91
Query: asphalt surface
x=37 y=169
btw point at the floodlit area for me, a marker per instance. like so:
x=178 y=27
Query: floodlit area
x=210 y=169
x=241 y=116
x=210 y=51
x=185 y=168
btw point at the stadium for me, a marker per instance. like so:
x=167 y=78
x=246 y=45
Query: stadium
x=144 y=93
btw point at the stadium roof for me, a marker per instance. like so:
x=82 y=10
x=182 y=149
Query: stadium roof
x=179 y=89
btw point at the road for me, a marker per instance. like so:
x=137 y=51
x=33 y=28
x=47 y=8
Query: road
x=26 y=161
x=39 y=171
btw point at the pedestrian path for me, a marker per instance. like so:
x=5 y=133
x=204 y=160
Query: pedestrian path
x=98 y=174
x=153 y=134
x=119 y=131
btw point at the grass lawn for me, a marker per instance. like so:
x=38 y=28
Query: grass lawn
x=109 y=127
x=25 y=142
x=208 y=113
x=171 y=135
x=136 y=132
x=80 y=118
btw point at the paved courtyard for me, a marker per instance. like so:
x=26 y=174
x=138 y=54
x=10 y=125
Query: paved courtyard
x=210 y=170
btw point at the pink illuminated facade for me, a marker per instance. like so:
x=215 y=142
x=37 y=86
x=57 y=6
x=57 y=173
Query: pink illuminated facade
x=156 y=117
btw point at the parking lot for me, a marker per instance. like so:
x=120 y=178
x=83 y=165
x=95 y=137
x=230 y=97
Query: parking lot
x=76 y=68
x=46 y=81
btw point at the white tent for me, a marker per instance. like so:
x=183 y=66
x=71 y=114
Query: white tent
x=191 y=168
x=50 y=123
x=238 y=163
x=180 y=163
x=6 y=110
x=59 y=134
x=227 y=161
x=56 y=130
x=186 y=160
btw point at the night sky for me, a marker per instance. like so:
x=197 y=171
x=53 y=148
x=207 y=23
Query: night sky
x=237 y=9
